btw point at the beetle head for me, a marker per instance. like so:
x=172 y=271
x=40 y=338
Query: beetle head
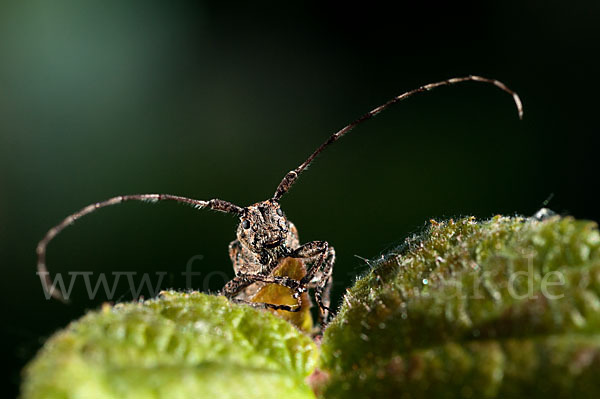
x=263 y=226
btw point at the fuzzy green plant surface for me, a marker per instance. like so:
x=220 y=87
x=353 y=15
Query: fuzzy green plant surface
x=504 y=308
x=181 y=345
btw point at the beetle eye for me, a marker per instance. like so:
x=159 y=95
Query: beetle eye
x=246 y=224
x=279 y=212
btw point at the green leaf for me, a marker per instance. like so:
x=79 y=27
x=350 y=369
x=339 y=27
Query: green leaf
x=508 y=307
x=181 y=345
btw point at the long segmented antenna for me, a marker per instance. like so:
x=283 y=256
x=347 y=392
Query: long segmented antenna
x=291 y=177
x=215 y=204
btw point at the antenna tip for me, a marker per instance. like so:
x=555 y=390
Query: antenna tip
x=519 y=105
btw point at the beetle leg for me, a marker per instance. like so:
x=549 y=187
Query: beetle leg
x=321 y=269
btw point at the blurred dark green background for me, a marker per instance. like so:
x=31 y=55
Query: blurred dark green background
x=212 y=100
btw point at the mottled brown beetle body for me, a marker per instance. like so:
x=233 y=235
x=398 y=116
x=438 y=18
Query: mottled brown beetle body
x=264 y=238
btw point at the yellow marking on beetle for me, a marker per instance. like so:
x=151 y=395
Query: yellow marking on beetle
x=280 y=295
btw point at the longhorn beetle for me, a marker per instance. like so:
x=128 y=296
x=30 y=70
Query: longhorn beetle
x=264 y=235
